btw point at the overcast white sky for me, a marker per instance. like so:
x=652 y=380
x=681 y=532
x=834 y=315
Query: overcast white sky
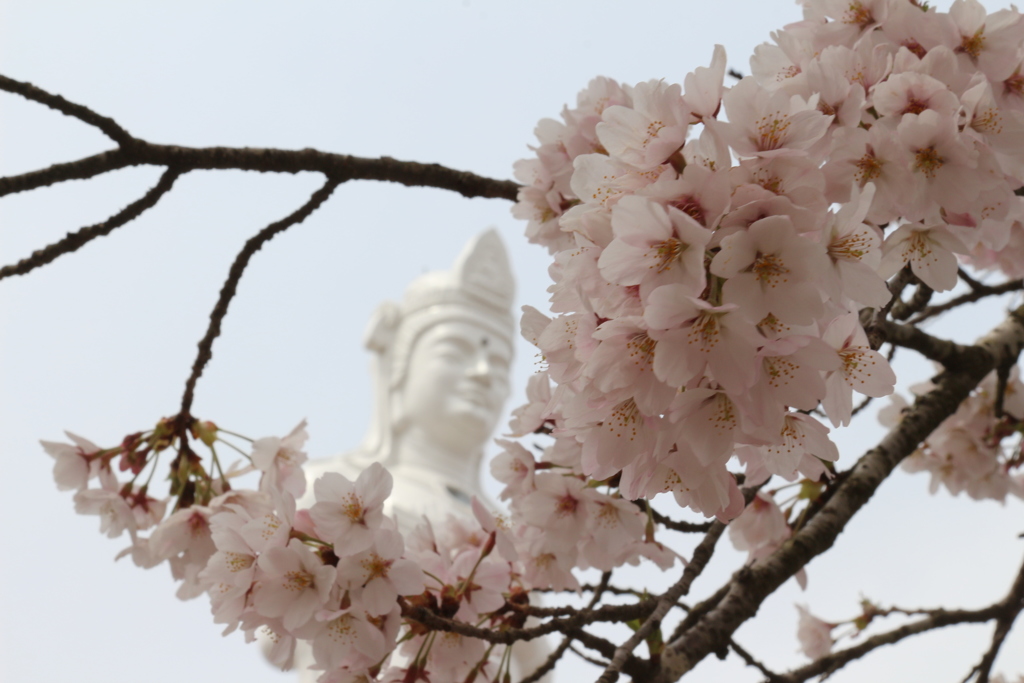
x=101 y=342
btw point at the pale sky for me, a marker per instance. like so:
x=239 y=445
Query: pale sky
x=100 y=342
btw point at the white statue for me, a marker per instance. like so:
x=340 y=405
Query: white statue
x=441 y=365
x=441 y=380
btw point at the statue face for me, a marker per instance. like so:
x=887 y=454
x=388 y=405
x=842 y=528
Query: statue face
x=457 y=383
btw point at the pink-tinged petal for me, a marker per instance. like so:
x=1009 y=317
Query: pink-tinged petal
x=264 y=451
x=279 y=561
x=71 y=472
x=389 y=544
x=355 y=539
x=483 y=516
x=83 y=444
x=407 y=577
x=264 y=532
x=868 y=372
x=374 y=484
x=301 y=609
x=378 y=597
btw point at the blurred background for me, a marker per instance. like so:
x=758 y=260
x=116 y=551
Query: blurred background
x=100 y=342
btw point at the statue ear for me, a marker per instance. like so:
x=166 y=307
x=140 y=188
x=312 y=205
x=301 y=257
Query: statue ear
x=380 y=333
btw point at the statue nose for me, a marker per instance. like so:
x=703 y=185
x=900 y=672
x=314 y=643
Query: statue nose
x=480 y=369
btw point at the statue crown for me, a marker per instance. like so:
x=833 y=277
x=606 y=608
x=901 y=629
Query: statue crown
x=480 y=287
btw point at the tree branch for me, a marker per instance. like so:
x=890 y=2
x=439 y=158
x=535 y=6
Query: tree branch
x=770 y=676
x=227 y=292
x=1004 y=611
x=109 y=127
x=556 y=655
x=749 y=587
x=701 y=556
x=672 y=524
x=976 y=294
x=136 y=152
x=1009 y=609
x=939 y=350
x=81 y=169
x=75 y=240
x=343 y=166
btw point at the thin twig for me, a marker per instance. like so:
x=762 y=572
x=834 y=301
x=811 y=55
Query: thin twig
x=87 y=167
x=75 y=240
x=1004 y=611
x=230 y=286
x=556 y=655
x=874 y=327
x=109 y=127
x=981 y=292
x=922 y=295
x=769 y=675
x=971 y=282
x=701 y=556
x=673 y=524
x=142 y=153
x=587 y=658
x=1012 y=606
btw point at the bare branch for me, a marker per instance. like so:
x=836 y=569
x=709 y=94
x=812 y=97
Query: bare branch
x=86 y=167
x=230 y=286
x=109 y=127
x=586 y=658
x=770 y=676
x=939 y=350
x=556 y=655
x=981 y=292
x=343 y=166
x=1004 y=611
x=971 y=282
x=701 y=556
x=672 y=524
x=1010 y=608
x=135 y=152
x=904 y=309
x=75 y=240
x=874 y=325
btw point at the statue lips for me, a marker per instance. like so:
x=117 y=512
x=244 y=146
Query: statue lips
x=479 y=399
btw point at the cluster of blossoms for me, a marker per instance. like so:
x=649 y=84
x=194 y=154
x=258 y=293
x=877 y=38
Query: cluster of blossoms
x=337 y=575
x=974 y=450
x=708 y=273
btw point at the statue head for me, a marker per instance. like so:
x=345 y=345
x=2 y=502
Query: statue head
x=442 y=355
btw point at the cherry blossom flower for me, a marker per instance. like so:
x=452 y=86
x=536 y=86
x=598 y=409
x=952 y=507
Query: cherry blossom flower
x=514 y=467
x=762 y=523
x=350 y=638
x=699 y=336
x=280 y=460
x=815 y=635
x=766 y=124
x=497 y=525
x=929 y=249
x=380 y=574
x=654 y=246
x=347 y=513
x=703 y=87
x=115 y=514
x=646 y=133
x=73 y=465
x=862 y=369
x=295 y=584
x=767 y=268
